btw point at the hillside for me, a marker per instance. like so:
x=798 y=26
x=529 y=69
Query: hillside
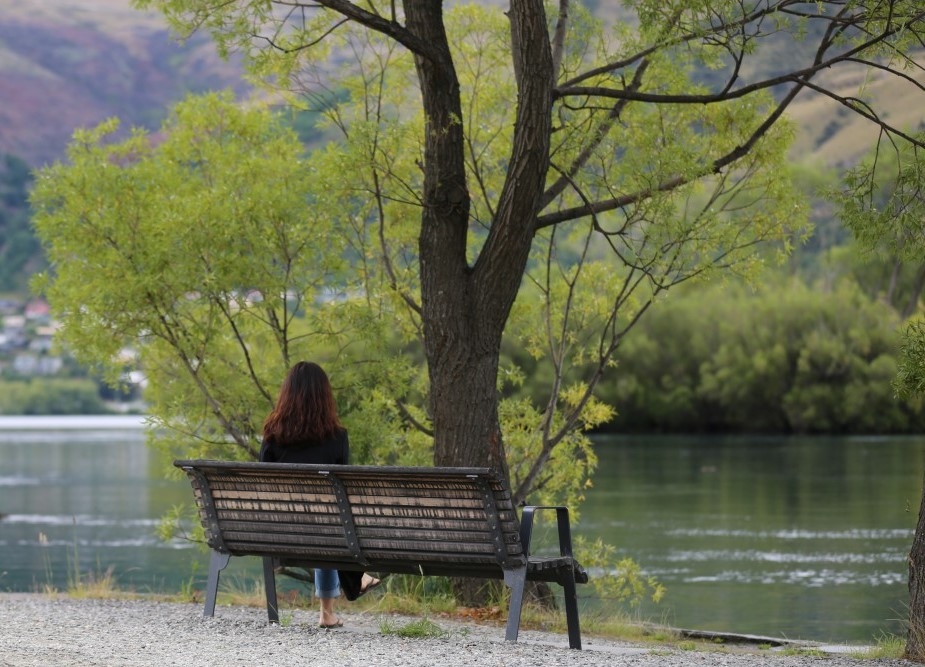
x=66 y=64
x=830 y=134
x=73 y=63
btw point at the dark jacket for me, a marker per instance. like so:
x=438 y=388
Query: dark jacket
x=333 y=451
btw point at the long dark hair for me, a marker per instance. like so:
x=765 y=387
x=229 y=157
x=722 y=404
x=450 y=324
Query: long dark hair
x=305 y=409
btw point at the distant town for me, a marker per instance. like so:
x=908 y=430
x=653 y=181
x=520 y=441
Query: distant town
x=28 y=350
x=26 y=333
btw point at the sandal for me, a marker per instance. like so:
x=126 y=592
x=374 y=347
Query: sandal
x=373 y=583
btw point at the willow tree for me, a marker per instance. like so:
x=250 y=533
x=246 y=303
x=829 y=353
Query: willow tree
x=610 y=131
x=191 y=250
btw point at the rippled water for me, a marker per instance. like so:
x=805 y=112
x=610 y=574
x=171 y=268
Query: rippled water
x=800 y=538
x=786 y=537
x=85 y=495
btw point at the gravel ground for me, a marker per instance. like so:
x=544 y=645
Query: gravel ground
x=51 y=631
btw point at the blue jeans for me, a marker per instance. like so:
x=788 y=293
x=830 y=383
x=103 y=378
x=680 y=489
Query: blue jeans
x=327 y=585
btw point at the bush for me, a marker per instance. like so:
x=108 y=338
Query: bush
x=50 y=396
x=784 y=359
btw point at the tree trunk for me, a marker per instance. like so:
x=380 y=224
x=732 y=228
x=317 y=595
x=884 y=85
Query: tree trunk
x=915 y=639
x=465 y=309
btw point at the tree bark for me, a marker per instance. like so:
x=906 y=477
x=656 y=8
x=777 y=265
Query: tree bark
x=465 y=309
x=915 y=639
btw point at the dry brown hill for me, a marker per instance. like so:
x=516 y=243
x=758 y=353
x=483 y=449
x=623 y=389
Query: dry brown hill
x=830 y=134
x=74 y=63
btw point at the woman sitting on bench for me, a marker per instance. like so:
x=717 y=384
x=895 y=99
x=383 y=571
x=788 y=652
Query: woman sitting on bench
x=304 y=428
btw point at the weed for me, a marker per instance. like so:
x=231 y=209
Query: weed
x=243 y=591
x=46 y=561
x=420 y=629
x=188 y=591
x=99 y=586
x=887 y=646
x=799 y=651
x=416 y=596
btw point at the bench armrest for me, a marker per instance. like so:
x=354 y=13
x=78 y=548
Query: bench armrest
x=562 y=521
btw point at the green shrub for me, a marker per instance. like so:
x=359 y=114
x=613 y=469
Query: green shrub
x=50 y=396
x=782 y=359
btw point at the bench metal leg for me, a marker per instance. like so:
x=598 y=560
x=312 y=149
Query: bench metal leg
x=571 y=612
x=516 y=581
x=565 y=550
x=217 y=563
x=269 y=586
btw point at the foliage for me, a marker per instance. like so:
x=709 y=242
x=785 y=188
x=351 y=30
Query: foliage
x=910 y=380
x=50 y=396
x=882 y=200
x=882 y=203
x=621 y=581
x=782 y=358
x=197 y=249
x=591 y=281
x=568 y=468
x=423 y=628
x=179 y=523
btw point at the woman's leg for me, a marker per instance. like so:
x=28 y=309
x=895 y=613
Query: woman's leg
x=326 y=589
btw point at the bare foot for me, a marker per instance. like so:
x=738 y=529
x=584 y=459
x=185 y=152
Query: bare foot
x=368 y=583
x=330 y=621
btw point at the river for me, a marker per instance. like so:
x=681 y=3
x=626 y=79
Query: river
x=787 y=537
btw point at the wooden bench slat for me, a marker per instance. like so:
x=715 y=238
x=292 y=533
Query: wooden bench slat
x=448 y=522
x=279 y=522
x=260 y=505
x=355 y=498
x=280 y=513
x=353 y=486
x=300 y=542
x=250 y=523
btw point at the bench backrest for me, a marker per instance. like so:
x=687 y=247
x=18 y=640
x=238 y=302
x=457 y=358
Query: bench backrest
x=417 y=520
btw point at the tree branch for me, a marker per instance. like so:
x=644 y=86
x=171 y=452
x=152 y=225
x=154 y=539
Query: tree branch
x=386 y=26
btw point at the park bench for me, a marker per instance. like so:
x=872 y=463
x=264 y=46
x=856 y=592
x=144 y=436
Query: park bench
x=456 y=522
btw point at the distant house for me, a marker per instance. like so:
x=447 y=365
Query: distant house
x=14 y=323
x=40 y=344
x=10 y=306
x=13 y=328
x=43 y=340
x=37 y=309
x=30 y=364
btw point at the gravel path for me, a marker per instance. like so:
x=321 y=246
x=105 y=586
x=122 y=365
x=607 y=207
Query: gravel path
x=46 y=631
